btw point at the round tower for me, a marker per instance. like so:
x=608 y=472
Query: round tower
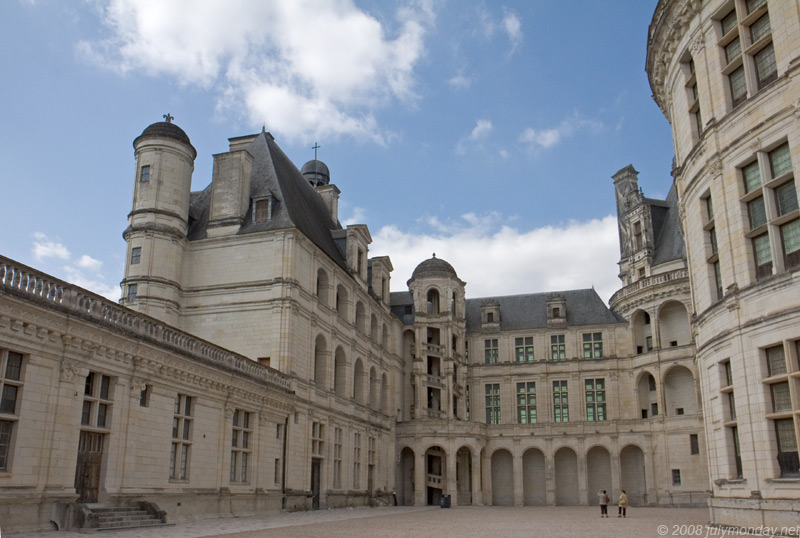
x=158 y=221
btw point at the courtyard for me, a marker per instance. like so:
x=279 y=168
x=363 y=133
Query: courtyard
x=418 y=522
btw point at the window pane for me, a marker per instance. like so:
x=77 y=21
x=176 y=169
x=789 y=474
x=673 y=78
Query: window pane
x=761 y=248
x=738 y=86
x=733 y=50
x=145 y=175
x=780 y=160
x=781 y=400
x=728 y=22
x=5 y=441
x=787 y=441
x=766 y=68
x=14 y=366
x=753 y=5
x=752 y=176
x=8 y=404
x=776 y=361
x=786 y=198
x=104 y=383
x=757 y=212
x=790 y=233
x=760 y=28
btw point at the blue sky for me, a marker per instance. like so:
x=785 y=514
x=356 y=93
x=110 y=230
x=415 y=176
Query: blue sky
x=486 y=132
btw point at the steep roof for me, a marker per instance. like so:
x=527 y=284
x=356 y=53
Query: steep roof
x=297 y=204
x=667 y=233
x=529 y=311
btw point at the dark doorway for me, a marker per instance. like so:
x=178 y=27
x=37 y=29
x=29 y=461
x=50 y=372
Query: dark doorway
x=87 y=472
x=316 y=465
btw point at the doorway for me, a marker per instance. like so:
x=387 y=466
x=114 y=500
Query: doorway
x=316 y=465
x=87 y=472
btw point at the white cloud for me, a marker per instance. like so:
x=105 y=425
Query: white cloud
x=496 y=259
x=304 y=68
x=510 y=25
x=43 y=248
x=460 y=81
x=479 y=132
x=89 y=263
x=546 y=138
x=513 y=28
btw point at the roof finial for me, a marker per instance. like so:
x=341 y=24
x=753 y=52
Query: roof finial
x=434 y=254
x=169 y=117
x=263 y=128
x=315 y=147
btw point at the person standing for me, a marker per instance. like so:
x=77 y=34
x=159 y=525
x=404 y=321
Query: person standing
x=623 y=504
x=603 y=498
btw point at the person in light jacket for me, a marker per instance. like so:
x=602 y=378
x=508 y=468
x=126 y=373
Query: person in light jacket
x=602 y=496
x=623 y=504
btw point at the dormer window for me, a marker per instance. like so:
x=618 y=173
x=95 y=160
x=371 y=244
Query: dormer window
x=557 y=311
x=490 y=314
x=262 y=209
x=490 y=317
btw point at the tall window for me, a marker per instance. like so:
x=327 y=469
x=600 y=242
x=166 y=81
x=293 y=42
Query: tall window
x=595 y=391
x=560 y=401
x=144 y=173
x=526 y=403
x=240 y=445
x=10 y=389
x=693 y=98
x=356 y=461
x=557 y=347
x=782 y=411
x=337 y=458
x=136 y=255
x=592 y=345
x=774 y=227
x=493 y=403
x=96 y=401
x=746 y=42
x=317 y=439
x=523 y=349
x=262 y=210
x=490 y=350
x=181 y=437
x=712 y=250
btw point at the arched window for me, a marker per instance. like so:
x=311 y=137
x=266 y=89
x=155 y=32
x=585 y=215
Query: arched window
x=433 y=301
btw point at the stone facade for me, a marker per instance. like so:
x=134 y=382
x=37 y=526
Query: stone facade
x=725 y=75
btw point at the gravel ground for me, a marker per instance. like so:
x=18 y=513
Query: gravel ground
x=419 y=522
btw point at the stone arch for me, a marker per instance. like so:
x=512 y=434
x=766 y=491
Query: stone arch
x=408 y=388
x=341 y=301
x=385 y=336
x=647 y=388
x=642 y=332
x=361 y=318
x=534 y=481
x=385 y=404
x=323 y=287
x=358 y=382
x=374 y=389
x=373 y=328
x=598 y=472
x=502 y=478
x=565 y=462
x=632 y=475
x=436 y=474
x=673 y=324
x=432 y=300
x=405 y=478
x=320 y=362
x=680 y=396
x=464 y=476
x=340 y=373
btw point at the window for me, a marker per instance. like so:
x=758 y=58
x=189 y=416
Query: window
x=728 y=22
x=592 y=345
x=11 y=383
x=181 y=437
x=240 y=445
x=595 y=391
x=560 y=401
x=786 y=198
x=738 y=86
x=132 y=290
x=96 y=401
x=693 y=98
x=737 y=452
x=136 y=255
x=776 y=361
x=766 y=67
x=144 y=173
x=356 y=460
x=262 y=210
x=557 y=347
x=493 y=403
x=760 y=28
x=526 y=403
x=676 y=477
x=144 y=396
x=781 y=400
x=490 y=351
x=524 y=349
x=317 y=438
x=694 y=444
x=337 y=458
x=786 y=439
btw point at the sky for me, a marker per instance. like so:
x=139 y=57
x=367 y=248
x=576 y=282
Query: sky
x=485 y=132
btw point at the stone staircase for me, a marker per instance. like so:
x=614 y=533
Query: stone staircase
x=101 y=517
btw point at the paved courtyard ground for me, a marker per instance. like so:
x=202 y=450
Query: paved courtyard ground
x=420 y=522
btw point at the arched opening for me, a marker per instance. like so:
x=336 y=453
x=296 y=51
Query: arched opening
x=673 y=325
x=323 y=287
x=374 y=388
x=648 y=395
x=632 y=475
x=642 y=332
x=385 y=337
x=358 y=382
x=405 y=478
x=566 y=468
x=533 y=478
x=433 y=301
x=598 y=473
x=373 y=329
x=341 y=301
x=502 y=478
x=453 y=304
x=385 y=394
x=408 y=388
x=320 y=362
x=340 y=373
x=680 y=396
x=435 y=474
x=361 y=318
x=464 y=476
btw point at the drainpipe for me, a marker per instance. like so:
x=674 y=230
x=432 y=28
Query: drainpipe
x=283 y=458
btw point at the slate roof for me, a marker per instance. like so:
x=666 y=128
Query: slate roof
x=166 y=129
x=296 y=203
x=529 y=311
x=434 y=267
x=667 y=233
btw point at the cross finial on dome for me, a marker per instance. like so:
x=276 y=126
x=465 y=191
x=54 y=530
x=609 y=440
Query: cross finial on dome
x=315 y=147
x=168 y=117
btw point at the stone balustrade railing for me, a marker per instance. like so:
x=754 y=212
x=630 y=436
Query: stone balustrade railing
x=26 y=282
x=648 y=282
